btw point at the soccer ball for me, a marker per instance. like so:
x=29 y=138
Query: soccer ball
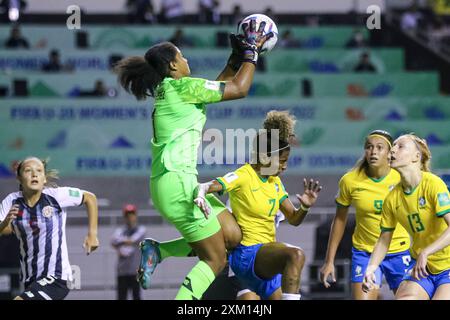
x=270 y=27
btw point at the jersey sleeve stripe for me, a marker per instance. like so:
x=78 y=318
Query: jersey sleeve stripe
x=222 y=88
x=443 y=213
x=224 y=188
x=341 y=205
x=384 y=229
x=283 y=198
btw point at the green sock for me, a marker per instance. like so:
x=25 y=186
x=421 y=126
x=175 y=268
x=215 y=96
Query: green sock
x=175 y=248
x=196 y=282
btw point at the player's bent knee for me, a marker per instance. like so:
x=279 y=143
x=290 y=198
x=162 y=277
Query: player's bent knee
x=232 y=233
x=297 y=256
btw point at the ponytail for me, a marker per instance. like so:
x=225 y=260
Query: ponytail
x=141 y=76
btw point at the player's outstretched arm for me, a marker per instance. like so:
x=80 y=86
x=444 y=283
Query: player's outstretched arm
x=203 y=190
x=5 y=225
x=336 y=234
x=91 y=241
x=249 y=47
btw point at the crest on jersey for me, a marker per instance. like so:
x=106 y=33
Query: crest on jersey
x=422 y=202
x=47 y=211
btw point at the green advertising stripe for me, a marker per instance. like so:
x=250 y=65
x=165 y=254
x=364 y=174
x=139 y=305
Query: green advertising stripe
x=354 y=110
x=341 y=85
x=137 y=162
x=112 y=37
x=264 y=85
x=200 y=60
x=128 y=127
x=108 y=137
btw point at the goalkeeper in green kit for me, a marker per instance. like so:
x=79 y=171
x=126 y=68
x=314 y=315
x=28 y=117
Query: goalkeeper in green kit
x=179 y=116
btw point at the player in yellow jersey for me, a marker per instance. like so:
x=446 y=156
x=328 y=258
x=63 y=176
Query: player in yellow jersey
x=420 y=203
x=365 y=187
x=271 y=269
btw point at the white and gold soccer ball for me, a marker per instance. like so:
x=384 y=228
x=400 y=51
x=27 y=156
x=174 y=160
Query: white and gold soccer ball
x=269 y=27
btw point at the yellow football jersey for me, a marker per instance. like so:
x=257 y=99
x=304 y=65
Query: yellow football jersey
x=421 y=212
x=367 y=195
x=255 y=202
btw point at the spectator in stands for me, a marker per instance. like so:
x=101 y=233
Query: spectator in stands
x=364 y=64
x=180 y=40
x=126 y=240
x=236 y=15
x=357 y=40
x=312 y=21
x=150 y=15
x=99 y=90
x=54 y=63
x=410 y=19
x=352 y=15
x=209 y=11
x=141 y=11
x=171 y=11
x=269 y=12
x=16 y=40
x=288 y=41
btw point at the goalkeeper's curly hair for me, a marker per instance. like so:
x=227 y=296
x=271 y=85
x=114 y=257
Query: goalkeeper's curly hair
x=283 y=121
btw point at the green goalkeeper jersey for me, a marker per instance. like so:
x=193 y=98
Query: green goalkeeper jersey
x=179 y=116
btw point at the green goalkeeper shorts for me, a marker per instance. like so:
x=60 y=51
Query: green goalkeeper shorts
x=173 y=193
